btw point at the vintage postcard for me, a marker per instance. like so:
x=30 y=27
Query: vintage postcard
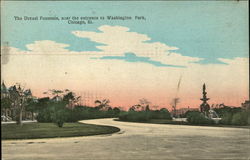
x=125 y=80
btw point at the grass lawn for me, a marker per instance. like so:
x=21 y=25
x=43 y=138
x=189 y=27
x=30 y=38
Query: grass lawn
x=50 y=130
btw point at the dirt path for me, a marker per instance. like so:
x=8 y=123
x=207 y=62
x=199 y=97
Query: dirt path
x=137 y=141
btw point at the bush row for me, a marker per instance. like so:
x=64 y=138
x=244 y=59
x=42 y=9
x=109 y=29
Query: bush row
x=197 y=118
x=59 y=113
x=239 y=118
x=144 y=116
x=228 y=118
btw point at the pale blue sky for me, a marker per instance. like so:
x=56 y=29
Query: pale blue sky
x=131 y=57
x=203 y=29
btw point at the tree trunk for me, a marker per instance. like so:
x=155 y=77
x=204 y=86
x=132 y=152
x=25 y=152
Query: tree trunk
x=32 y=115
x=12 y=114
x=25 y=115
x=5 y=113
x=19 y=119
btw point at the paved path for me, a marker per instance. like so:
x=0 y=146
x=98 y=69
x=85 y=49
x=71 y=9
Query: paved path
x=137 y=141
x=25 y=121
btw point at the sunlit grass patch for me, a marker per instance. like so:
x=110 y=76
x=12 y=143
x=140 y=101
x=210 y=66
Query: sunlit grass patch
x=50 y=130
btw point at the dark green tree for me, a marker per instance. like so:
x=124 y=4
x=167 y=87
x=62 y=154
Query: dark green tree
x=59 y=113
x=31 y=106
x=102 y=104
x=19 y=96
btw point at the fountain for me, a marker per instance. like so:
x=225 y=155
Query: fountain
x=206 y=109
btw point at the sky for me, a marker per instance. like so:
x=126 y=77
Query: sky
x=185 y=43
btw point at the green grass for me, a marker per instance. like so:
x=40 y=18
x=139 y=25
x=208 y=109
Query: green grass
x=50 y=130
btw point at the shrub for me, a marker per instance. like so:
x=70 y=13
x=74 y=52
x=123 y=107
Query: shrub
x=160 y=114
x=59 y=117
x=44 y=116
x=237 y=118
x=198 y=118
x=225 y=110
x=123 y=116
x=248 y=117
x=116 y=111
x=144 y=116
x=165 y=114
x=135 y=116
x=189 y=112
x=226 y=119
x=47 y=112
x=240 y=118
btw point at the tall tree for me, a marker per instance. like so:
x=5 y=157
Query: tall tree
x=143 y=104
x=31 y=106
x=19 y=96
x=55 y=94
x=71 y=99
x=102 y=104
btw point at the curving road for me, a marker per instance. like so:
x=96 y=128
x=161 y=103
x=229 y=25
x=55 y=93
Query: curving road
x=137 y=141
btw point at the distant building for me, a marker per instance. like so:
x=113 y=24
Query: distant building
x=246 y=105
x=4 y=91
x=5 y=111
x=71 y=103
x=9 y=113
x=57 y=98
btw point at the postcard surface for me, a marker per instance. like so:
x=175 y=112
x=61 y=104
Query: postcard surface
x=63 y=62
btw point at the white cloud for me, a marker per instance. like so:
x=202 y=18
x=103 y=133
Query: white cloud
x=118 y=40
x=47 y=46
x=236 y=60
